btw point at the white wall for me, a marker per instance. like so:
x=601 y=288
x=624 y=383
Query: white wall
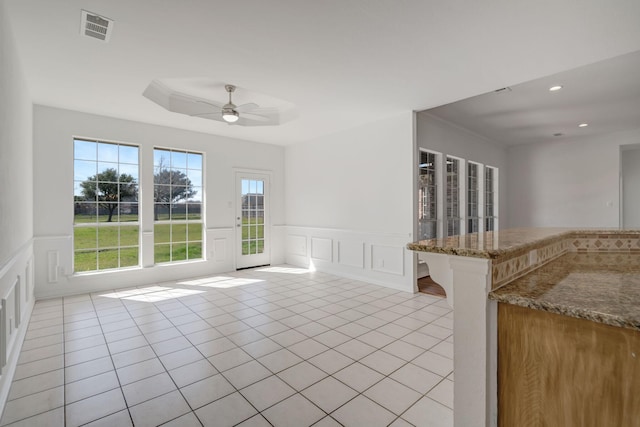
x=16 y=202
x=567 y=183
x=630 y=165
x=16 y=205
x=438 y=135
x=54 y=130
x=349 y=199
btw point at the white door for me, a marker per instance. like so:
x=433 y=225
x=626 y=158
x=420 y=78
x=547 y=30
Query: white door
x=252 y=220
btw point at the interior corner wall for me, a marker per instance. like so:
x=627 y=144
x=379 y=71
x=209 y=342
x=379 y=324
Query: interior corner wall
x=567 y=183
x=349 y=202
x=54 y=131
x=443 y=137
x=16 y=205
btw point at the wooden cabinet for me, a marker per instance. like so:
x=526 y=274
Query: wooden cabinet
x=556 y=370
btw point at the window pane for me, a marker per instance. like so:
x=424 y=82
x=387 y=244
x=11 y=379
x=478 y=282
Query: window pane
x=129 y=257
x=128 y=212
x=85 y=212
x=162 y=253
x=128 y=173
x=178 y=211
x=107 y=172
x=162 y=158
x=84 y=170
x=107 y=259
x=178 y=176
x=194 y=161
x=161 y=212
x=179 y=193
x=162 y=233
x=107 y=237
x=195 y=176
x=85 y=150
x=179 y=252
x=178 y=160
x=128 y=154
x=85 y=261
x=107 y=212
x=196 y=194
x=129 y=236
x=193 y=211
x=195 y=232
x=162 y=193
x=107 y=152
x=179 y=233
x=85 y=238
x=194 y=250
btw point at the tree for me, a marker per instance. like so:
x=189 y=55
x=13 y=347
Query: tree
x=108 y=189
x=171 y=186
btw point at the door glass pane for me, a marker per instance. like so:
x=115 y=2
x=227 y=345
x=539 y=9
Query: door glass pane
x=252 y=216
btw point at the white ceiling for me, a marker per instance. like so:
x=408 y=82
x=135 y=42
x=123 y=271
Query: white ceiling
x=604 y=95
x=342 y=63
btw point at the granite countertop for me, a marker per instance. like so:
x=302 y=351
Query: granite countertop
x=602 y=287
x=494 y=244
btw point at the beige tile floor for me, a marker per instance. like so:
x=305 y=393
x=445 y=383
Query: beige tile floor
x=275 y=346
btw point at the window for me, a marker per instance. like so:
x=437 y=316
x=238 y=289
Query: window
x=427 y=196
x=453 y=196
x=177 y=205
x=105 y=223
x=472 y=197
x=489 y=199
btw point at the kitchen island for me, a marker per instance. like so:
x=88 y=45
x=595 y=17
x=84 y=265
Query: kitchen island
x=478 y=270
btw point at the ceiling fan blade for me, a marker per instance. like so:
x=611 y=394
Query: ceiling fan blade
x=256 y=117
x=205 y=114
x=216 y=106
x=246 y=107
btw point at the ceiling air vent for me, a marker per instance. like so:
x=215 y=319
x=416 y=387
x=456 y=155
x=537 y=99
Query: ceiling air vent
x=96 y=26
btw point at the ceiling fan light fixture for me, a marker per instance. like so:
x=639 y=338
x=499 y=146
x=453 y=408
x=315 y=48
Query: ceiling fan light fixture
x=230 y=115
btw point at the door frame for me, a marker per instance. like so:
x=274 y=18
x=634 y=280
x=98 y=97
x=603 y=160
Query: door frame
x=237 y=205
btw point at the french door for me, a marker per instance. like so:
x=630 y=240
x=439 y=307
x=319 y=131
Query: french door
x=252 y=220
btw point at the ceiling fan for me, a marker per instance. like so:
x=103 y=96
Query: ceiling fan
x=231 y=112
x=183 y=102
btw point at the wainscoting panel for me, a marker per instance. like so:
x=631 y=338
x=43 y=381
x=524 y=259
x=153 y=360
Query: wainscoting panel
x=53 y=263
x=387 y=259
x=351 y=253
x=16 y=304
x=220 y=247
x=372 y=257
x=296 y=245
x=322 y=249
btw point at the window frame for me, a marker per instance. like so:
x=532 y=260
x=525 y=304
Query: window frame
x=171 y=224
x=99 y=249
x=490 y=180
x=473 y=197
x=453 y=217
x=428 y=224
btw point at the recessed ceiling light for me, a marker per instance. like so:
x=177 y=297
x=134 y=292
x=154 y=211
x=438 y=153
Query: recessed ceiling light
x=583 y=125
x=555 y=88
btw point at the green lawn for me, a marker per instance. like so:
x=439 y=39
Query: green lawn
x=96 y=248
x=252 y=236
